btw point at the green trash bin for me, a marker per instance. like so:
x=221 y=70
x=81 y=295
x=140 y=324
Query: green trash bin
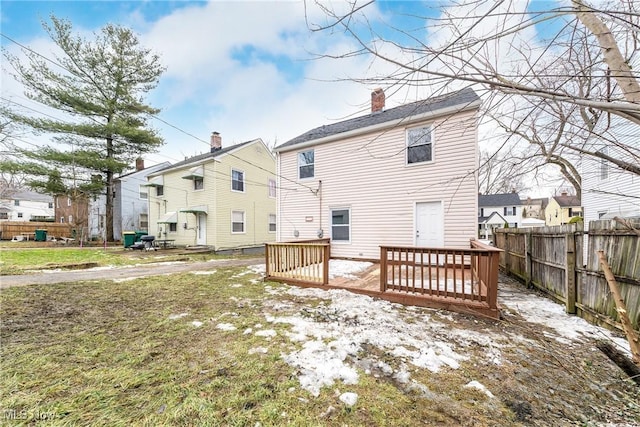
x=129 y=238
x=41 y=235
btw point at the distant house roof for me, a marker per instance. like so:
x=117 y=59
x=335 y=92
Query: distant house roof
x=463 y=99
x=31 y=196
x=505 y=199
x=205 y=156
x=145 y=171
x=568 y=201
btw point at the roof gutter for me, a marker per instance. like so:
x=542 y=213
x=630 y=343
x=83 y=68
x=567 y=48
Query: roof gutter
x=392 y=123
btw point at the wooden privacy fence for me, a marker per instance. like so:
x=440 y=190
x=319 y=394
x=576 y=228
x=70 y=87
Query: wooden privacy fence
x=8 y=229
x=552 y=259
x=460 y=276
x=298 y=262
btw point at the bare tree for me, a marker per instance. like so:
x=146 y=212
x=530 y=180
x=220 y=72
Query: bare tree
x=564 y=88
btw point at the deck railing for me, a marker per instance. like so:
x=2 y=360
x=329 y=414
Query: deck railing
x=460 y=274
x=298 y=262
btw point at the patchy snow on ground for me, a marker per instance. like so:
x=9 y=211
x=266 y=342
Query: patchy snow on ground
x=226 y=326
x=178 y=316
x=203 y=273
x=337 y=334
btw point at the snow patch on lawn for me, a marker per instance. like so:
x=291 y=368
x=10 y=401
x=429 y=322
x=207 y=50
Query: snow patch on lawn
x=177 y=316
x=203 y=273
x=226 y=327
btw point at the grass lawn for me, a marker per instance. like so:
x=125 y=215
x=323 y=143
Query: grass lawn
x=105 y=353
x=222 y=348
x=16 y=259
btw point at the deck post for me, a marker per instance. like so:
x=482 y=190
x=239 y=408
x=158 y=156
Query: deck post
x=266 y=259
x=383 y=269
x=492 y=280
x=325 y=264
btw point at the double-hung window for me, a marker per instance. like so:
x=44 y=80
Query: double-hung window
x=237 y=180
x=159 y=190
x=510 y=210
x=272 y=223
x=306 y=164
x=419 y=145
x=341 y=225
x=144 y=193
x=604 y=164
x=237 y=221
x=272 y=187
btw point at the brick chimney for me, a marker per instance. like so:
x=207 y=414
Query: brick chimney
x=139 y=164
x=377 y=100
x=216 y=141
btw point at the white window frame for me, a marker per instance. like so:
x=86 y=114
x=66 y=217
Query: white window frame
x=70 y=219
x=159 y=190
x=199 y=179
x=68 y=201
x=271 y=184
x=242 y=181
x=430 y=143
x=604 y=171
x=274 y=223
x=144 y=221
x=312 y=164
x=332 y=225
x=143 y=192
x=244 y=222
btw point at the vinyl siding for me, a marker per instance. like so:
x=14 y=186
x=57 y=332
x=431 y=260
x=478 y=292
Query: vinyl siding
x=369 y=175
x=217 y=196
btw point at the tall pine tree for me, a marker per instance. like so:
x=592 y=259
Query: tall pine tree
x=98 y=85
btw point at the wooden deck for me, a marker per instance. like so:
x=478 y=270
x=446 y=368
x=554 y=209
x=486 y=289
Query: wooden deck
x=460 y=280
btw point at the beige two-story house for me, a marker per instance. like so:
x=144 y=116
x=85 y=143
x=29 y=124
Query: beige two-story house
x=400 y=176
x=223 y=199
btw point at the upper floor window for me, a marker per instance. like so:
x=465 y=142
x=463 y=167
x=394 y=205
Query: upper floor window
x=16 y=203
x=144 y=194
x=419 y=145
x=510 y=210
x=604 y=164
x=198 y=183
x=50 y=205
x=159 y=190
x=237 y=180
x=306 y=163
x=68 y=201
x=272 y=187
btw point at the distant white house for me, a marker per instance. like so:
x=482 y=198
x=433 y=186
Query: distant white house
x=27 y=206
x=609 y=191
x=496 y=210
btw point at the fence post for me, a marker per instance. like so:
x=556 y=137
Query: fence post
x=528 y=263
x=570 y=273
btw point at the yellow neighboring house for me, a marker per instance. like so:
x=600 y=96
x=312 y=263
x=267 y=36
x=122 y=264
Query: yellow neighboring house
x=224 y=199
x=562 y=208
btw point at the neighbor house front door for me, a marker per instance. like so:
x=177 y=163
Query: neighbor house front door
x=202 y=229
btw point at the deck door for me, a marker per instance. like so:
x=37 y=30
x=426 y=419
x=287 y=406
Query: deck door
x=202 y=229
x=429 y=222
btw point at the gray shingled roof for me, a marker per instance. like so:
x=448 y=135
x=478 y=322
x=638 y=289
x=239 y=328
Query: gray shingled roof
x=461 y=98
x=201 y=157
x=505 y=199
x=568 y=201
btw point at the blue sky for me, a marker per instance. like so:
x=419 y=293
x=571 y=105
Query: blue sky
x=244 y=69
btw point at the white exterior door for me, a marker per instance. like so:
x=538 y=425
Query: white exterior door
x=202 y=229
x=429 y=221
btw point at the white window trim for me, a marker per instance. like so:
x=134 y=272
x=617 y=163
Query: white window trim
x=244 y=181
x=340 y=208
x=269 y=223
x=432 y=142
x=194 y=184
x=142 y=189
x=244 y=222
x=275 y=189
x=314 y=164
